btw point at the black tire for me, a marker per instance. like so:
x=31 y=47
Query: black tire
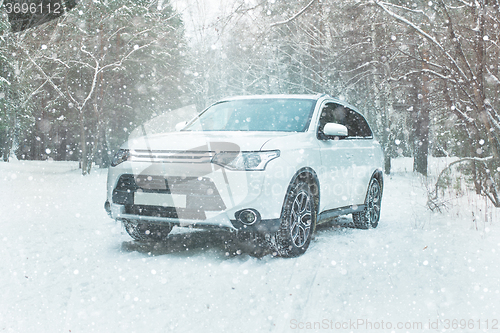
x=146 y=231
x=298 y=220
x=369 y=217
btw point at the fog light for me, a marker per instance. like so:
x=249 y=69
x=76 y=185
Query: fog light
x=248 y=216
x=107 y=207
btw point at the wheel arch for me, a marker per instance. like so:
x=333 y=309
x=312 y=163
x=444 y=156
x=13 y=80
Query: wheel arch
x=309 y=175
x=285 y=241
x=363 y=219
x=379 y=176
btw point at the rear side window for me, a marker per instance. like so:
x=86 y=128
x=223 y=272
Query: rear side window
x=357 y=127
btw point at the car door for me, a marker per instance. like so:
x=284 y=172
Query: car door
x=363 y=148
x=335 y=173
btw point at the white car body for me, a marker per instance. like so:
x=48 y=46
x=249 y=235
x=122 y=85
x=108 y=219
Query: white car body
x=199 y=192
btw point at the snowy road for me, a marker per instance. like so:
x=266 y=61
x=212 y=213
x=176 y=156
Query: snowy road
x=67 y=267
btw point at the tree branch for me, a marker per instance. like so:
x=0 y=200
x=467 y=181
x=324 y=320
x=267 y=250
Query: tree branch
x=294 y=16
x=435 y=193
x=424 y=34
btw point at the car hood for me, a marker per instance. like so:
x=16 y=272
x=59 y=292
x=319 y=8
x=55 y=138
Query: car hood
x=204 y=141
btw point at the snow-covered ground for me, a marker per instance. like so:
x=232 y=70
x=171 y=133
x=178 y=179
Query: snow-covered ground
x=66 y=267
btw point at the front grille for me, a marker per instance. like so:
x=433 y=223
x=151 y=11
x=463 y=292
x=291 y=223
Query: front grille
x=166 y=156
x=201 y=193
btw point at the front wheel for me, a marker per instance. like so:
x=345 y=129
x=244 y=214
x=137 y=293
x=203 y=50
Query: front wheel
x=369 y=217
x=147 y=231
x=298 y=220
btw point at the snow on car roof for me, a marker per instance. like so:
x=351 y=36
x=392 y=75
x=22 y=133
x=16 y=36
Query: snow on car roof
x=277 y=96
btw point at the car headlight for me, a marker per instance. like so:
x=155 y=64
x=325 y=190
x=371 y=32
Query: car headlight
x=245 y=160
x=121 y=156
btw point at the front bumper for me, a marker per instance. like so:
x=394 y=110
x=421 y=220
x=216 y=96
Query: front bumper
x=219 y=221
x=194 y=198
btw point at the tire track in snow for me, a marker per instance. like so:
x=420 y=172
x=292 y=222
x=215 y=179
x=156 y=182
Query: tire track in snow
x=297 y=283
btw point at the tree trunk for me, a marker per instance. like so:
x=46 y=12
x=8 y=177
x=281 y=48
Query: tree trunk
x=83 y=145
x=422 y=140
x=387 y=164
x=422 y=120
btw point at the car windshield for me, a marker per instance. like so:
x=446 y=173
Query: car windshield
x=281 y=115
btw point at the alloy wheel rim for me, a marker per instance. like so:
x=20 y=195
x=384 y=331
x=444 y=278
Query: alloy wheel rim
x=373 y=212
x=301 y=218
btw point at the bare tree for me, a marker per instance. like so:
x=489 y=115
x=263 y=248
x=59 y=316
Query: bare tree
x=462 y=47
x=93 y=60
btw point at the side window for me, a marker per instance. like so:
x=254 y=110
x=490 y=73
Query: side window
x=356 y=124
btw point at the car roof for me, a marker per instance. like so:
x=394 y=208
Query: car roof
x=274 y=96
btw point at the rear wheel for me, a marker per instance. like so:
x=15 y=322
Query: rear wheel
x=147 y=231
x=298 y=220
x=369 y=217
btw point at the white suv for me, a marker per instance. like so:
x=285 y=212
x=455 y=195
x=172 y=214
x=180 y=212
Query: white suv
x=270 y=165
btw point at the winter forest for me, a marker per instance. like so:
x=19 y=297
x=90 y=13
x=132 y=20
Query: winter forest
x=424 y=73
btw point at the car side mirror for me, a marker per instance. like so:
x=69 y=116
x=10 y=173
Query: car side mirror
x=180 y=125
x=333 y=129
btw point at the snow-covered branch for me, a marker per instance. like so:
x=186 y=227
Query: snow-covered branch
x=466 y=3
x=420 y=71
x=492 y=76
x=57 y=60
x=2 y=79
x=424 y=34
x=94 y=79
x=47 y=77
x=33 y=93
x=120 y=62
x=294 y=16
x=407 y=9
x=373 y=62
x=432 y=201
x=463 y=115
x=494 y=121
